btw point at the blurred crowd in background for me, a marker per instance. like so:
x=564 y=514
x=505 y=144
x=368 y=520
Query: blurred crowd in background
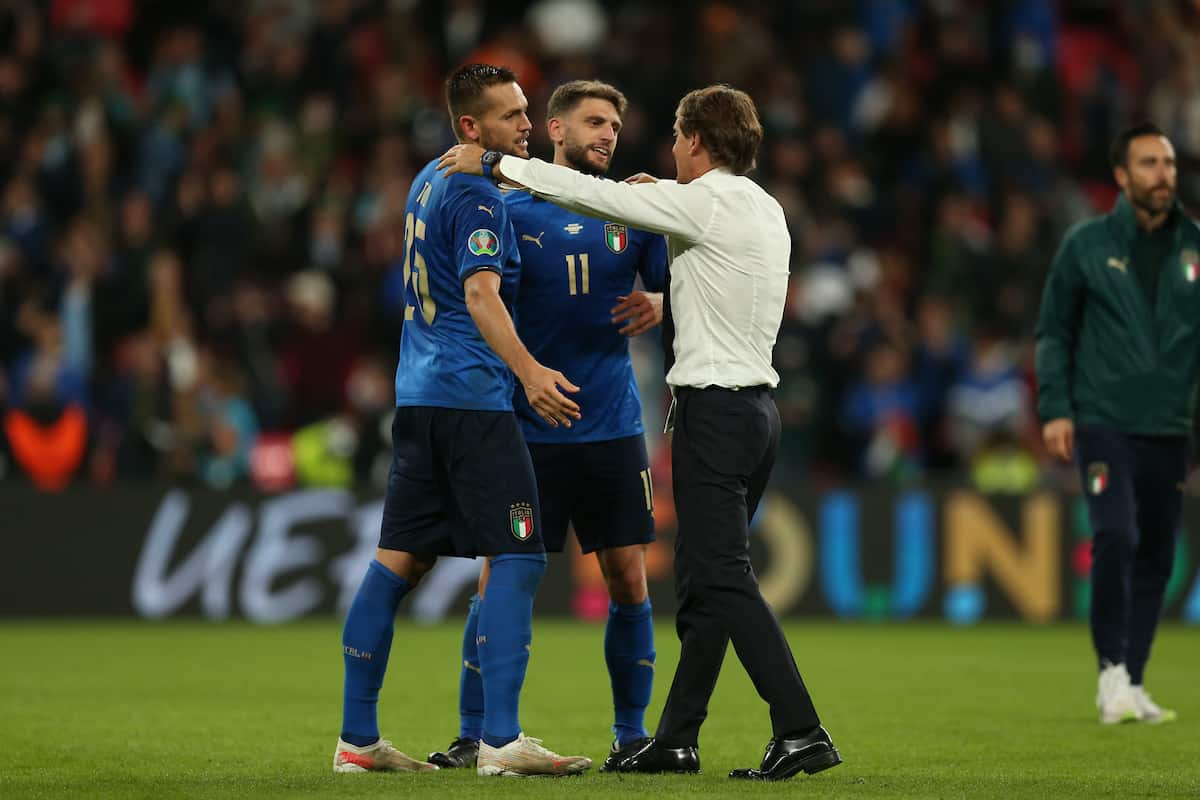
x=201 y=217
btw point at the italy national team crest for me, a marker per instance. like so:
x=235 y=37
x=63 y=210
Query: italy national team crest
x=1097 y=477
x=483 y=243
x=520 y=520
x=1191 y=265
x=616 y=236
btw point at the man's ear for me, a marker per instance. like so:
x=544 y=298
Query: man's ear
x=694 y=144
x=554 y=127
x=470 y=128
x=1121 y=176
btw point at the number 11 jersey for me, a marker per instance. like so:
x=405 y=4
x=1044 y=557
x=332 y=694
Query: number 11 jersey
x=573 y=268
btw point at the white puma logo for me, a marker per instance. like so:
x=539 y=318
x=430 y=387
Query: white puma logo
x=488 y=210
x=1118 y=263
x=525 y=237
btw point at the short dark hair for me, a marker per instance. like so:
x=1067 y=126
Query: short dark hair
x=1118 y=156
x=572 y=93
x=727 y=122
x=465 y=88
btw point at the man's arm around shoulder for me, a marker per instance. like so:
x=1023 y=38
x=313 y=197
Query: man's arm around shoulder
x=661 y=207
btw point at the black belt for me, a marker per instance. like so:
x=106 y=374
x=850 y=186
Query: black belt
x=684 y=390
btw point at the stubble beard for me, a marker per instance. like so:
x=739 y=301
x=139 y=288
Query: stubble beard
x=577 y=157
x=1145 y=200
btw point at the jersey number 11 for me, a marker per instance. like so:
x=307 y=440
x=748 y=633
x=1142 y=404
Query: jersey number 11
x=582 y=284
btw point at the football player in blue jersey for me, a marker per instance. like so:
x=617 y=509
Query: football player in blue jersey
x=461 y=482
x=575 y=309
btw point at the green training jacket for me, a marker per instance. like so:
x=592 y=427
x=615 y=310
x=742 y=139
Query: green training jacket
x=1104 y=355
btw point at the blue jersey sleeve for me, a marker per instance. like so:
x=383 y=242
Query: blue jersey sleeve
x=479 y=222
x=653 y=266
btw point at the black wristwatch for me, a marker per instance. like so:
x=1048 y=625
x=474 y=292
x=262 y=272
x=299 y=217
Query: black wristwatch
x=489 y=160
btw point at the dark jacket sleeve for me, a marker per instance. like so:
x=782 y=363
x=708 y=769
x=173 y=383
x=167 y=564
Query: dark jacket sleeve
x=1057 y=329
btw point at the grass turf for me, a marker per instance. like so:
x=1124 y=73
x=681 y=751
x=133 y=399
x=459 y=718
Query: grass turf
x=230 y=710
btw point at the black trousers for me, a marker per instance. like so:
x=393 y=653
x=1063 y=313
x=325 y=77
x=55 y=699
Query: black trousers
x=1134 y=490
x=722 y=452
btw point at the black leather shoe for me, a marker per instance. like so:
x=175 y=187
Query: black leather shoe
x=460 y=753
x=650 y=757
x=784 y=758
x=618 y=754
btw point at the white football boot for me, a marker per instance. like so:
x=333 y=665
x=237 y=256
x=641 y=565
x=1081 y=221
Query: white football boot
x=378 y=757
x=1149 y=711
x=524 y=757
x=1114 y=697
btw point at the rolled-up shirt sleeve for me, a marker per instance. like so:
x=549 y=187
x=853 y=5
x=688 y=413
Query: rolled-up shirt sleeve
x=682 y=210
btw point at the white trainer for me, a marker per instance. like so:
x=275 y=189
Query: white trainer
x=1114 y=697
x=378 y=757
x=1148 y=710
x=525 y=756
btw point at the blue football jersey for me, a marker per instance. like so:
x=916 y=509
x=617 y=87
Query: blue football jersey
x=453 y=227
x=573 y=268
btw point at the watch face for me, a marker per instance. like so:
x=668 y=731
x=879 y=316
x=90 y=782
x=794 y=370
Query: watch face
x=491 y=156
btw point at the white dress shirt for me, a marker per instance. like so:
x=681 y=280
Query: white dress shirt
x=729 y=249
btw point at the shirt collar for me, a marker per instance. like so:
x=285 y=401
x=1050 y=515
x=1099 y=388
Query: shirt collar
x=714 y=172
x=1126 y=218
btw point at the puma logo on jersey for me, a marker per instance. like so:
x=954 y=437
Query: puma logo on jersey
x=488 y=210
x=1118 y=263
x=525 y=237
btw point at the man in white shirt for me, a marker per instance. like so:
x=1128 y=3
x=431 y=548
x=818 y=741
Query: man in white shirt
x=729 y=250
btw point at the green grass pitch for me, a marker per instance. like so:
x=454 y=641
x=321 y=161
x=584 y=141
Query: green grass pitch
x=100 y=709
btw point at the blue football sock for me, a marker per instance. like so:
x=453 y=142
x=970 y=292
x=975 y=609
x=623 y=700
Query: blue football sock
x=366 y=642
x=470 y=681
x=629 y=653
x=505 y=633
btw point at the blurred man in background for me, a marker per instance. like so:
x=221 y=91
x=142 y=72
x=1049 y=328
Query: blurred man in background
x=1116 y=363
x=594 y=475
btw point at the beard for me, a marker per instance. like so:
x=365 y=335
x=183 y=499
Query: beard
x=1146 y=199
x=577 y=157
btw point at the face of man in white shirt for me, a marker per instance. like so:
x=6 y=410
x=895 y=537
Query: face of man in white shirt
x=585 y=137
x=505 y=126
x=685 y=149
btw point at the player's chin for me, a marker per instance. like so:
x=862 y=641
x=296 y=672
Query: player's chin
x=521 y=149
